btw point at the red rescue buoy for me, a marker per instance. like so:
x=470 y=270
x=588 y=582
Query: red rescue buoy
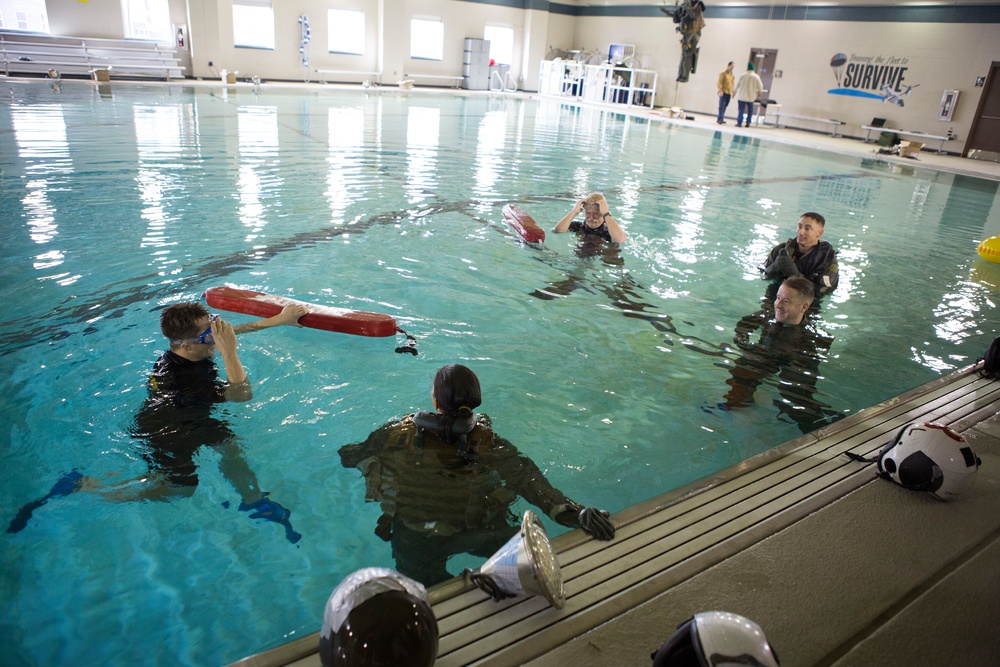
x=327 y=318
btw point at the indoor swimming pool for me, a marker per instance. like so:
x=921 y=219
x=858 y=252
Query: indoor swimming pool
x=606 y=370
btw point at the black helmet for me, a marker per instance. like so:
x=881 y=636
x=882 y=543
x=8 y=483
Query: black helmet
x=714 y=639
x=378 y=617
x=991 y=362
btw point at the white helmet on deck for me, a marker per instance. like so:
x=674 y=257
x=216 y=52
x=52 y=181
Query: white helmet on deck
x=929 y=457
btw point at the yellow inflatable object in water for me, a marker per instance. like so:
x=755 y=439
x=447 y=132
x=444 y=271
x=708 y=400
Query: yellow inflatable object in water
x=990 y=249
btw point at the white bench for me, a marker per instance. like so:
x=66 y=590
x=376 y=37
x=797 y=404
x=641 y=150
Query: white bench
x=324 y=72
x=829 y=121
x=936 y=137
x=456 y=79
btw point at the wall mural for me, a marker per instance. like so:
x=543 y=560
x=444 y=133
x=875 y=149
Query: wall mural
x=871 y=77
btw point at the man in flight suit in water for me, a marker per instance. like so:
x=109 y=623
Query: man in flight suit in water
x=806 y=255
x=446 y=482
x=788 y=352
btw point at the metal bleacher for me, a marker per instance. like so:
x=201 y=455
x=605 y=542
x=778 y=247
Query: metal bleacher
x=36 y=53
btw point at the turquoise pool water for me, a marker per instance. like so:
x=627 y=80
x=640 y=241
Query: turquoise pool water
x=114 y=206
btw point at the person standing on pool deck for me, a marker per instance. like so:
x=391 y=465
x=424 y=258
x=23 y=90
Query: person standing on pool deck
x=748 y=89
x=597 y=219
x=176 y=419
x=446 y=482
x=805 y=255
x=726 y=88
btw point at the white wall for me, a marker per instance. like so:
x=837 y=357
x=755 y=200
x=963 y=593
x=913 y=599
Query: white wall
x=387 y=50
x=938 y=56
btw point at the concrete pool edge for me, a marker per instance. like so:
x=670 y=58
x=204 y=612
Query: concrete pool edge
x=679 y=535
x=880 y=575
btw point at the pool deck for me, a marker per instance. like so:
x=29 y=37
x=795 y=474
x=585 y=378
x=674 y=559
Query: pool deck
x=837 y=566
x=850 y=145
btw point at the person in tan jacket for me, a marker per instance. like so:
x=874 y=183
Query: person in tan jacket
x=726 y=86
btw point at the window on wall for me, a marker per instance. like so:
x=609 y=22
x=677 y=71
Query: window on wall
x=28 y=15
x=501 y=40
x=253 y=24
x=427 y=39
x=147 y=19
x=346 y=30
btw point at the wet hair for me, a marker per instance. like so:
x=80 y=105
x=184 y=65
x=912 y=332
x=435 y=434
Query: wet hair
x=815 y=216
x=178 y=321
x=593 y=198
x=802 y=286
x=457 y=392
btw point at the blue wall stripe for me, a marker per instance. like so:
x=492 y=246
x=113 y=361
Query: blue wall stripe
x=860 y=13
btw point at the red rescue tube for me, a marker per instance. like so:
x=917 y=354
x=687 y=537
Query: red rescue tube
x=523 y=224
x=342 y=320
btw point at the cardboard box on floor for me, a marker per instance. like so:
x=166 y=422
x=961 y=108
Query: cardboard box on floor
x=909 y=148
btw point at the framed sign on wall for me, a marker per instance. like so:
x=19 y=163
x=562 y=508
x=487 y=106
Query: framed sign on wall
x=948 y=101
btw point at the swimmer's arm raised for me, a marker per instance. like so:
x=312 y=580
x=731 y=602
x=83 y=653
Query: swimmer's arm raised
x=617 y=233
x=289 y=315
x=563 y=225
x=238 y=388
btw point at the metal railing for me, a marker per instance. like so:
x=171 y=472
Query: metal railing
x=501 y=82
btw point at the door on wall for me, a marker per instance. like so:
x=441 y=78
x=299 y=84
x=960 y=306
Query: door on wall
x=763 y=61
x=984 y=135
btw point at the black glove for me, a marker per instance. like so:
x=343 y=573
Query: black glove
x=785 y=265
x=774 y=270
x=594 y=522
x=384 y=528
x=597 y=523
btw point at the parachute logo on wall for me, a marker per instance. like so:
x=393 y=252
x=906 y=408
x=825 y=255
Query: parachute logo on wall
x=837 y=63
